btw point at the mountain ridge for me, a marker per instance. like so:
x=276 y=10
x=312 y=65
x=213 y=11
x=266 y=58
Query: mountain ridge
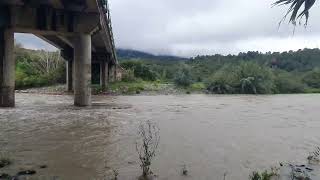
x=125 y=54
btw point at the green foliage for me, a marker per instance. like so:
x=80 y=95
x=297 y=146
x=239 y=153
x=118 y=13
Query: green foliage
x=133 y=87
x=222 y=81
x=199 y=86
x=140 y=70
x=244 y=78
x=312 y=78
x=266 y=175
x=38 y=68
x=286 y=82
x=254 y=78
x=128 y=76
x=183 y=77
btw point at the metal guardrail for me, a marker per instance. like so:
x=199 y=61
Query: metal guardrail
x=107 y=19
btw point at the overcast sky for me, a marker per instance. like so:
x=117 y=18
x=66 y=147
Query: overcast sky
x=190 y=28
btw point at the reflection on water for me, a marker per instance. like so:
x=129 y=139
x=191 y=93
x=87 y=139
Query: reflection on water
x=210 y=134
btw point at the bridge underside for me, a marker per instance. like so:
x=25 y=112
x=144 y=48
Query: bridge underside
x=81 y=29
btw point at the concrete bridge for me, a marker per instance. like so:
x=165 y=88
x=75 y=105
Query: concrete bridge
x=81 y=29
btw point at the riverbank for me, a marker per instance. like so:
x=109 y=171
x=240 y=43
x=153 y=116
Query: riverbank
x=133 y=88
x=122 y=88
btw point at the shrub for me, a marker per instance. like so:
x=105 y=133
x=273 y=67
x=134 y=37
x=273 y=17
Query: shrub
x=266 y=175
x=147 y=146
x=312 y=78
x=222 y=81
x=199 y=86
x=38 y=68
x=287 y=83
x=242 y=78
x=183 y=77
x=140 y=70
x=128 y=76
x=253 y=78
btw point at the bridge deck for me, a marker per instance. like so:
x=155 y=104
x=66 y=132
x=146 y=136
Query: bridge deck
x=80 y=28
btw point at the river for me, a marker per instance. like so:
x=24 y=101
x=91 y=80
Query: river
x=211 y=135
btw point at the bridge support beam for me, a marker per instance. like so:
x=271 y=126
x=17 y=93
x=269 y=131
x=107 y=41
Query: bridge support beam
x=82 y=67
x=104 y=75
x=7 y=68
x=69 y=69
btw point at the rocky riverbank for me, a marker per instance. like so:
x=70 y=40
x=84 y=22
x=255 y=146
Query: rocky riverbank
x=115 y=89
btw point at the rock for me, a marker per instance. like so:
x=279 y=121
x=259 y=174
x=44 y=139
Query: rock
x=185 y=170
x=4 y=176
x=4 y=163
x=43 y=166
x=26 y=172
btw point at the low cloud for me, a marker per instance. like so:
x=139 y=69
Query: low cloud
x=190 y=28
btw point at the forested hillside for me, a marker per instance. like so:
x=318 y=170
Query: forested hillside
x=251 y=72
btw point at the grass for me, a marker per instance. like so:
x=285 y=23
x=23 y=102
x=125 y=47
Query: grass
x=137 y=87
x=265 y=175
x=197 y=87
x=312 y=90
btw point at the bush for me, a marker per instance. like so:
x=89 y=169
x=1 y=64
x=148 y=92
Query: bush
x=253 y=78
x=265 y=175
x=38 y=68
x=147 y=146
x=140 y=70
x=287 y=83
x=312 y=78
x=183 y=78
x=128 y=76
x=244 y=78
x=223 y=81
x=197 y=86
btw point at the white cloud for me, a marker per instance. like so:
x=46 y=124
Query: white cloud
x=189 y=28
x=30 y=41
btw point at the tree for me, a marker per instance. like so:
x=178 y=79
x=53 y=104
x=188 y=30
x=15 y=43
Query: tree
x=183 y=77
x=294 y=8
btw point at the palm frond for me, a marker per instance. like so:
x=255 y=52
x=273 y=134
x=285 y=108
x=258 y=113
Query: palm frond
x=294 y=7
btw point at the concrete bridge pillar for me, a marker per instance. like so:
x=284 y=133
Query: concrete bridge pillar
x=69 y=69
x=82 y=68
x=104 y=74
x=7 y=68
x=112 y=73
x=115 y=73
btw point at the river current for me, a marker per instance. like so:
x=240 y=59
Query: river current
x=211 y=135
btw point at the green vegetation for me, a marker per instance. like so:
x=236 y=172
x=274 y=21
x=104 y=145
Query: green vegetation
x=245 y=73
x=38 y=68
x=266 y=175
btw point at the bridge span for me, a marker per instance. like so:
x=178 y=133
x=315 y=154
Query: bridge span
x=81 y=29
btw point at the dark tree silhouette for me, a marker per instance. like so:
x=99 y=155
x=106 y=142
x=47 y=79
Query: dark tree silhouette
x=294 y=9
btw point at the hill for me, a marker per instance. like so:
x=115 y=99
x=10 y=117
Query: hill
x=126 y=54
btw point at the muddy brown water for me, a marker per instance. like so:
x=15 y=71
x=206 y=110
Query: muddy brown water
x=210 y=134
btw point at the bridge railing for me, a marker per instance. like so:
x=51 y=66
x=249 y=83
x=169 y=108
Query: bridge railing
x=108 y=25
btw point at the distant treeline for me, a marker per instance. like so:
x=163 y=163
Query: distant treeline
x=245 y=73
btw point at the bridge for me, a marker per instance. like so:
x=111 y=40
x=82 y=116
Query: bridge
x=81 y=29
